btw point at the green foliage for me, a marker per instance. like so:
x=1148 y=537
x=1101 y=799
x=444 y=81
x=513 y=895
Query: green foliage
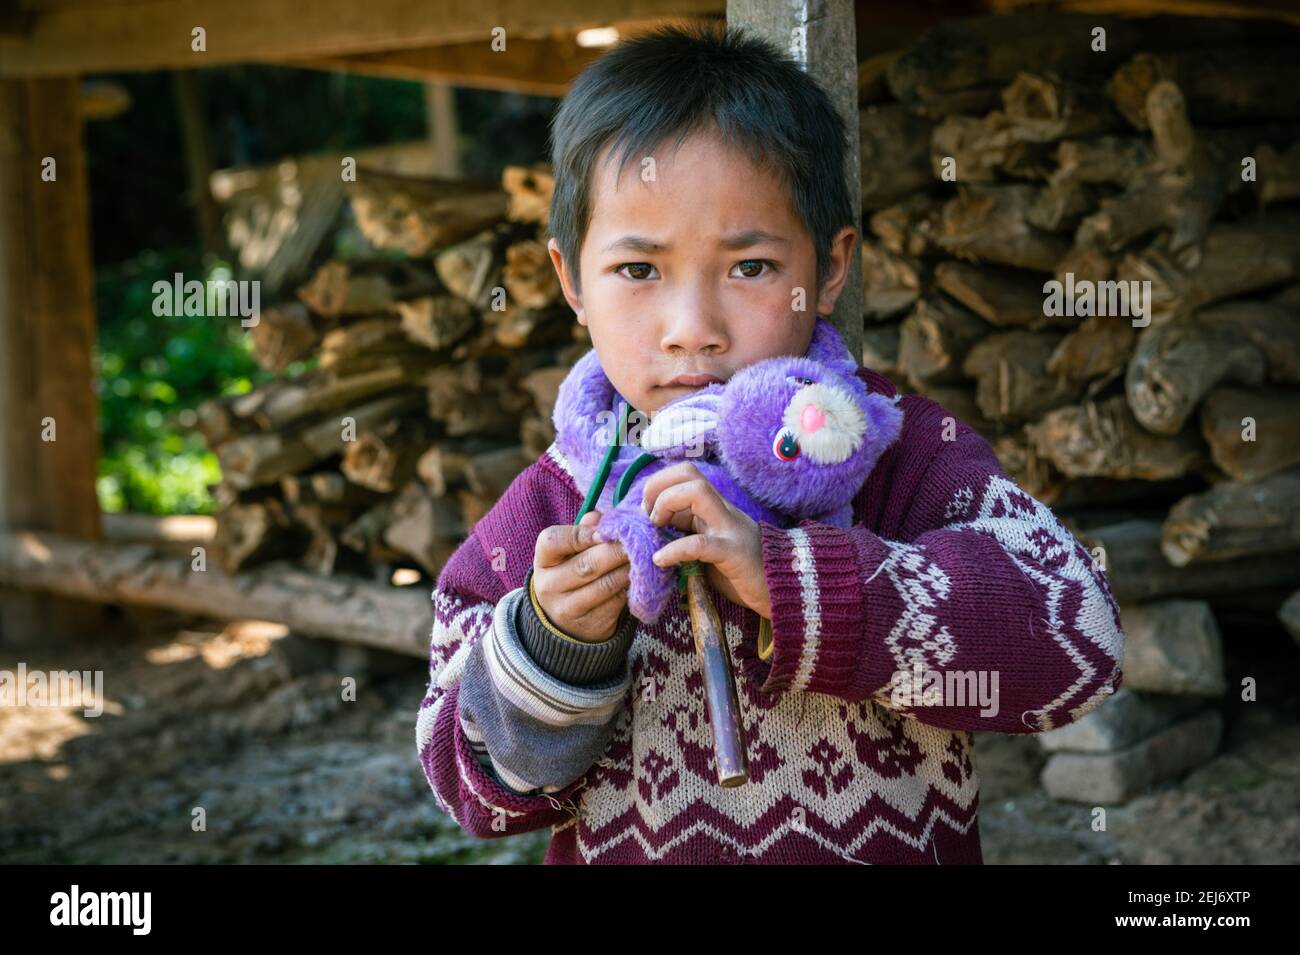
x=151 y=373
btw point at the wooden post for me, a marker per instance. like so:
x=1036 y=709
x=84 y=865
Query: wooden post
x=47 y=341
x=822 y=37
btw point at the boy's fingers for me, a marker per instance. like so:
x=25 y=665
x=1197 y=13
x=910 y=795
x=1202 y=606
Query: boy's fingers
x=561 y=541
x=674 y=474
x=596 y=560
x=702 y=547
x=602 y=590
x=697 y=496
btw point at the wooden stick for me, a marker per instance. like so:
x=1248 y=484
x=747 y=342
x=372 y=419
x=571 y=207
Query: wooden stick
x=719 y=682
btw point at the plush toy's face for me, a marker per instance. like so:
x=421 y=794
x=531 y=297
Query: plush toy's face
x=795 y=435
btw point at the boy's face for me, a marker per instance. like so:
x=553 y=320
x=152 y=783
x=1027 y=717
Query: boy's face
x=699 y=270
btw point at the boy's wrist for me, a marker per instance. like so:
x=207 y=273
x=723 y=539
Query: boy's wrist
x=567 y=658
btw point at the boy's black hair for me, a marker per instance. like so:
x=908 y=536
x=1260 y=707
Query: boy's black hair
x=684 y=79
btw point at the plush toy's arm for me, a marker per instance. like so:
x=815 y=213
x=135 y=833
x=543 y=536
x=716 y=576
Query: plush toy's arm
x=976 y=582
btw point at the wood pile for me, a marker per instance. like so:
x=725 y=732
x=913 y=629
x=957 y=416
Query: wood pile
x=432 y=365
x=1152 y=397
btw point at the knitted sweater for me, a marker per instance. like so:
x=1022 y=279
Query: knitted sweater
x=950 y=574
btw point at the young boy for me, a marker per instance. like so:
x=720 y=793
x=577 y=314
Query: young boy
x=701 y=223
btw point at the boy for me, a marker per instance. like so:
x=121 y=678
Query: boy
x=549 y=705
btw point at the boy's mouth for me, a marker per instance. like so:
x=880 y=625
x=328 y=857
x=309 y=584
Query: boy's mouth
x=692 y=381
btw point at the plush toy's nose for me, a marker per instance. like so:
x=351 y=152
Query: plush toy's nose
x=813 y=418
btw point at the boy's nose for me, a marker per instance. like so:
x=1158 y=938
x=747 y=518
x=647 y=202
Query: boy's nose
x=813 y=418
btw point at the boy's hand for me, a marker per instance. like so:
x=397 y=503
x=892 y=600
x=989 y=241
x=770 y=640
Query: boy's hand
x=580 y=583
x=724 y=538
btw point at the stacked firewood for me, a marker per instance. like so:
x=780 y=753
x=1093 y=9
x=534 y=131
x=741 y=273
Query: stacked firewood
x=426 y=372
x=1159 y=415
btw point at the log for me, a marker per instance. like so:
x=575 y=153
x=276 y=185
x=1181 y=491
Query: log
x=489 y=473
x=880 y=349
x=1221 y=85
x=287 y=402
x=256 y=531
x=284 y=335
x=1252 y=433
x=1045 y=108
x=343 y=608
x=910 y=227
x=417 y=216
x=424 y=527
x=436 y=321
x=1101 y=345
x=1112 y=160
x=934 y=339
x=1105 y=440
x=529 y=276
x=895 y=154
x=1289 y=614
x=474 y=398
x=978 y=149
x=368 y=337
x=1012 y=383
x=873 y=78
x=1235 y=519
x=342 y=290
x=961 y=402
x=989 y=224
x=1005 y=298
x=263 y=458
x=891 y=283
x=325 y=487
x=528 y=192
x=1061 y=205
x=1176 y=365
x=1239 y=258
x=1138 y=571
x=1279 y=173
x=1181 y=190
x=383 y=457
x=544 y=387
x=1085 y=263
x=960 y=65
x=537 y=434
x=471 y=269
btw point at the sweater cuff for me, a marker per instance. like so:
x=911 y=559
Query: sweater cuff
x=566 y=658
x=817 y=606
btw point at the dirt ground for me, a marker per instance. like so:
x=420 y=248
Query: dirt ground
x=251 y=728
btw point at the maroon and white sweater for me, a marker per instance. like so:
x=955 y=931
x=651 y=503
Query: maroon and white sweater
x=949 y=569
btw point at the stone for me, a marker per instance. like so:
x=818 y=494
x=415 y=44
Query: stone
x=1173 y=646
x=1126 y=718
x=1110 y=778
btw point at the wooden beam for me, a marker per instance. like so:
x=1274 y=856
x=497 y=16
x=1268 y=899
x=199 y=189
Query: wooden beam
x=341 y=607
x=821 y=36
x=91 y=36
x=540 y=67
x=49 y=436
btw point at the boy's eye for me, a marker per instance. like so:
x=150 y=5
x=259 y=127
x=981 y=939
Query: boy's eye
x=638 y=271
x=753 y=268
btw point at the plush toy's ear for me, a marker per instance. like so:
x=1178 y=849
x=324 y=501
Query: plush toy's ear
x=691 y=422
x=828 y=348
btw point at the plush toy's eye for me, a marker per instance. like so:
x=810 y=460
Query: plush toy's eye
x=785 y=446
x=800 y=379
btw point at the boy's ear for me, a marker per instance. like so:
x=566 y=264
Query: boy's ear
x=842 y=247
x=566 y=280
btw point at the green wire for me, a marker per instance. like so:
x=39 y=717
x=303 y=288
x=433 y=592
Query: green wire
x=602 y=475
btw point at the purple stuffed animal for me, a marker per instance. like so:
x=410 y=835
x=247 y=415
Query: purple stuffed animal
x=783 y=440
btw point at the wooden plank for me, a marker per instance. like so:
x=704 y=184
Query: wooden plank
x=827 y=50
x=47 y=337
x=540 y=67
x=92 y=36
x=340 y=607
